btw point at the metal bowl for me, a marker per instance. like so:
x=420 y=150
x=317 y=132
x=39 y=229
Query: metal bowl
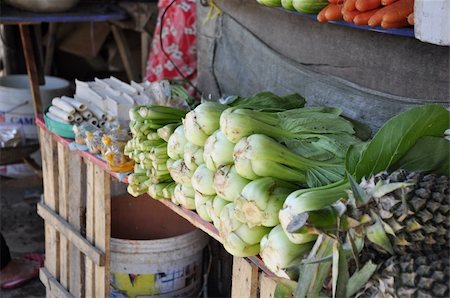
x=43 y=5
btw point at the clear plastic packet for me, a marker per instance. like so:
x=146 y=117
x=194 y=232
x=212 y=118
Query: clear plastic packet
x=94 y=141
x=113 y=148
x=11 y=135
x=80 y=131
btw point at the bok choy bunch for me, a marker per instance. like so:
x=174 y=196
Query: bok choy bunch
x=204 y=120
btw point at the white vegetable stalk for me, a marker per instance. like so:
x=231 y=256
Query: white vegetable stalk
x=238 y=238
x=179 y=172
x=218 y=151
x=202 y=180
x=201 y=202
x=278 y=253
x=184 y=195
x=261 y=200
x=193 y=156
x=201 y=122
x=176 y=143
x=214 y=208
x=228 y=183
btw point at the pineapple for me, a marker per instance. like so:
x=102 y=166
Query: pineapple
x=404 y=212
x=411 y=275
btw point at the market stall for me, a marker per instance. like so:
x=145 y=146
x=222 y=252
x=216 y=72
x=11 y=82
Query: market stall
x=274 y=178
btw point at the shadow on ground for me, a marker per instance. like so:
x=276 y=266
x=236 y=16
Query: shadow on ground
x=22 y=227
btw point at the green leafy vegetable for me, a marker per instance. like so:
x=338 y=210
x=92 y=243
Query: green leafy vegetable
x=398 y=135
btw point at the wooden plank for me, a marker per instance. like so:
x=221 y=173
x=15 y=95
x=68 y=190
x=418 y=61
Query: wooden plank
x=76 y=193
x=50 y=48
x=125 y=53
x=63 y=181
x=266 y=286
x=50 y=174
x=30 y=61
x=245 y=279
x=194 y=219
x=102 y=229
x=53 y=287
x=57 y=222
x=90 y=231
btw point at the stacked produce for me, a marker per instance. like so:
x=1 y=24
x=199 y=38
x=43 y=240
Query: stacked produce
x=384 y=13
x=400 y=213
x=300 y=188
x=151 y=126
x=235 y=164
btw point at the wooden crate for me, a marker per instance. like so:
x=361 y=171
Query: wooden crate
x=249 y=281
x=76 y=210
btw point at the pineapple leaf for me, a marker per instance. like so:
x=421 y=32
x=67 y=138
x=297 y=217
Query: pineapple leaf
x=297 y=222
x=398 y=136
x=360 y=196
x=312 y=276
x=360 y=278
x=377 y=235
x=285 y=287
x=384 y=189
x=340 y=271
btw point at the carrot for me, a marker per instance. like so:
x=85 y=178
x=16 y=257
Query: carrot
x=336 y=1
x=411 y=18
x=321 y=15
x=387 y=2
x=399 y=24
x=399 y=12
x=333 y=12
x=363 y=17
x=366 y=5
x=349 y=15
x=349 y=5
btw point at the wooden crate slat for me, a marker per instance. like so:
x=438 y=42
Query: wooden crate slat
x=53 y=287
x=90 y=281
x=57 y=222
x=63 y=181
x=266 y=286
x=77 y=197
x=102 y=225
x=245 y=279
x=50 y=174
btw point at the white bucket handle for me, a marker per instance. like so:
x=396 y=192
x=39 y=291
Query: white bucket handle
x=17 y=106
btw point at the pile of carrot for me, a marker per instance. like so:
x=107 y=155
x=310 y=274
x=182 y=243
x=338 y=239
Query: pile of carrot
x=384 y=13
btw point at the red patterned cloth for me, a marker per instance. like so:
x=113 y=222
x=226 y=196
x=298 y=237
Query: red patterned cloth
x=179 y=41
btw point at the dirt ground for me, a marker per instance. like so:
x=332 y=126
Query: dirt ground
x=22 y=227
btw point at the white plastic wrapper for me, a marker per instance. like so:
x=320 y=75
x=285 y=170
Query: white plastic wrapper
x=11 y=135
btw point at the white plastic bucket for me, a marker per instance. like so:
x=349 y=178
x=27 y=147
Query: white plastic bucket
x=16 y=103
x=169 y=267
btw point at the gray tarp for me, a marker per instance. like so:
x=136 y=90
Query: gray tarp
x=371 y=75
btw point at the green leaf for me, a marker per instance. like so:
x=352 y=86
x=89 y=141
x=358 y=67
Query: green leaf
x=340 y=271
x=299 y=121
x=312 y=276
x=429 y=154
x=362 y=130
x=353 y=156
x=360 y=196
x=398 y=135
x=360 y=278
x=267 y=101
x=377 y=235
x=285 y=287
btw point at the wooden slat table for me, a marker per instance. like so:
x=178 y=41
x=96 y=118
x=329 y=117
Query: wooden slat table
x=76 y=209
